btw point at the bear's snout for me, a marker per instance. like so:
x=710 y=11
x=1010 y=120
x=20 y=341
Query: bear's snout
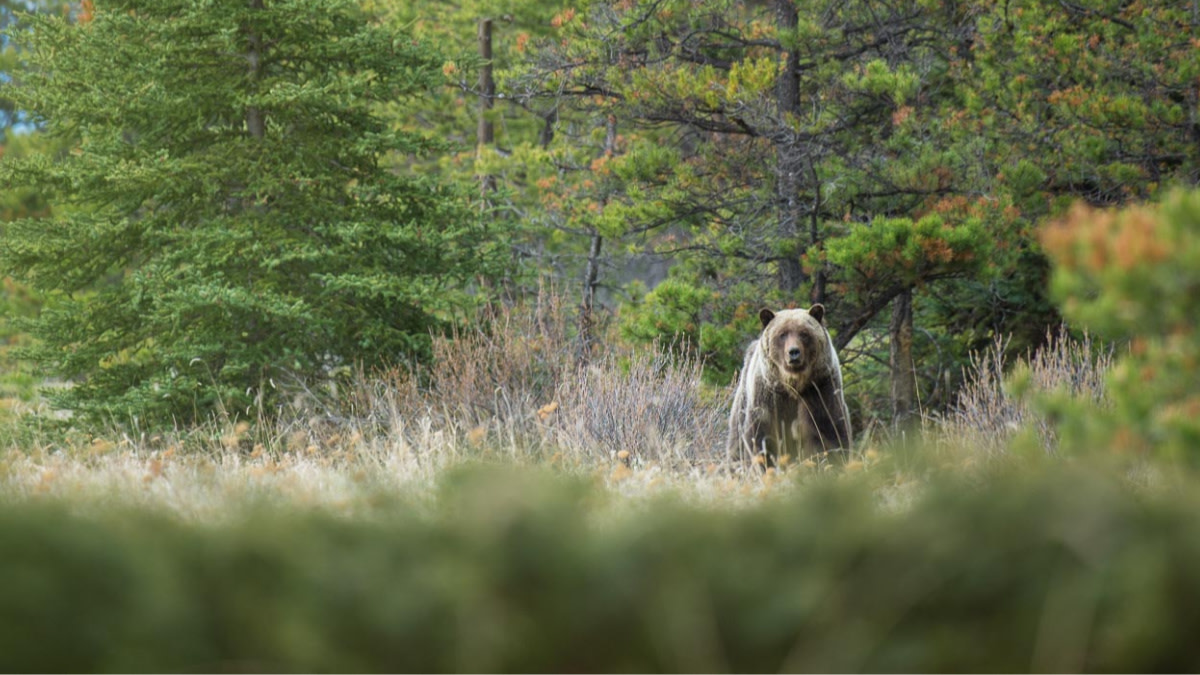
x=795 y=356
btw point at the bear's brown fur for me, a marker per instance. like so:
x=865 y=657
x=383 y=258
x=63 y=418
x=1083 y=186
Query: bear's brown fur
x=789 y=397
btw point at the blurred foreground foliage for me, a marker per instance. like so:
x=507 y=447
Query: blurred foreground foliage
x=1057 y=570
x=1132 y=275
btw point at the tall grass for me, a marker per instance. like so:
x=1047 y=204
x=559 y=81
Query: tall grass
x=507 y=390
x=987 y=414
x=514 y=387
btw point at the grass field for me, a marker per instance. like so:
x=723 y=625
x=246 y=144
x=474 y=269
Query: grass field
x=634 y=422
x=507 y=511
x=638 y=424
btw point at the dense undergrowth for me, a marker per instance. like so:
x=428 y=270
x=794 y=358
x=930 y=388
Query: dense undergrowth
x=514 y=571
x=508 y=393
x=508 y=509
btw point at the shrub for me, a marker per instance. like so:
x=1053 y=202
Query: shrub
x=990 y=411
x=224 y=227
x=1132 y=276
x=511 y=572
x=512 y=385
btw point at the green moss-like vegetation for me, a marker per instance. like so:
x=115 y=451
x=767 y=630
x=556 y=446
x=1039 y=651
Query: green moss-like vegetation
x=511 y=572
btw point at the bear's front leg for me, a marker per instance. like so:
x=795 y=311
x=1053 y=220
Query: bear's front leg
x=758 y=438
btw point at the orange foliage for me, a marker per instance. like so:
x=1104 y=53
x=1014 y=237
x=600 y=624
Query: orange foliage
x=1073 y=96
x=950 y=205
x=937 y=250
x=563 y=18
x=1097 y=238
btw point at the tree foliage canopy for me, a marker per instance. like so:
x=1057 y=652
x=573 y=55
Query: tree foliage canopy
x=226 y=216
x=246 y=172
x=773 y=152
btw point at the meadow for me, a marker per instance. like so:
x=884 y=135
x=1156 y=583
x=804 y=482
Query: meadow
x=637 y=422
x=506 y=510
x=510 y=395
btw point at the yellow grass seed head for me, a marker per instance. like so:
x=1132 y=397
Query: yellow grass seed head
x=477 y=436
x=621 y=473
x=153 y=470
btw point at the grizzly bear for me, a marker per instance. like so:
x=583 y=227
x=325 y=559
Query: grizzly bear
x=788 y=400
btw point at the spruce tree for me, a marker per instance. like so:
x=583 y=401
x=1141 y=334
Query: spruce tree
x=226 y=216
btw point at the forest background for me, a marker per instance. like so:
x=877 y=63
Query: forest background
x=669 y=167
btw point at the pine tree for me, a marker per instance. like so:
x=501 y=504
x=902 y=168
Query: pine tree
x=228 y=219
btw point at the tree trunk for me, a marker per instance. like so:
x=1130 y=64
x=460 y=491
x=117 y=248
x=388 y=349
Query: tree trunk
x=591 y=275
x=547 y=136
x=904 y=378
x=587 y=318
x=789 y=161
x=818 y=288
x=487 y=99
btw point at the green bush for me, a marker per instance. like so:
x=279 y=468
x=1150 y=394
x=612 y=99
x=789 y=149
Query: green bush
x=1060 y=572
x=225 y=219
x=1132 y=277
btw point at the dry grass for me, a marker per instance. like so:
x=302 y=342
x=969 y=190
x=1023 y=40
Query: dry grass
x=515 y=390
x=348 y=473
x=640 y=422
x=986 y=415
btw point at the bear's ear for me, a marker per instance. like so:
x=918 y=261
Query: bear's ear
x=765 y=315
x=817 y=312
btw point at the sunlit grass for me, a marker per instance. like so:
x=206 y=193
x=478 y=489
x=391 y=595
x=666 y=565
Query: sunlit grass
x=639 y=424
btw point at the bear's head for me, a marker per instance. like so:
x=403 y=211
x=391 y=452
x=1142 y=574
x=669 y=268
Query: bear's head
x=796 y=344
